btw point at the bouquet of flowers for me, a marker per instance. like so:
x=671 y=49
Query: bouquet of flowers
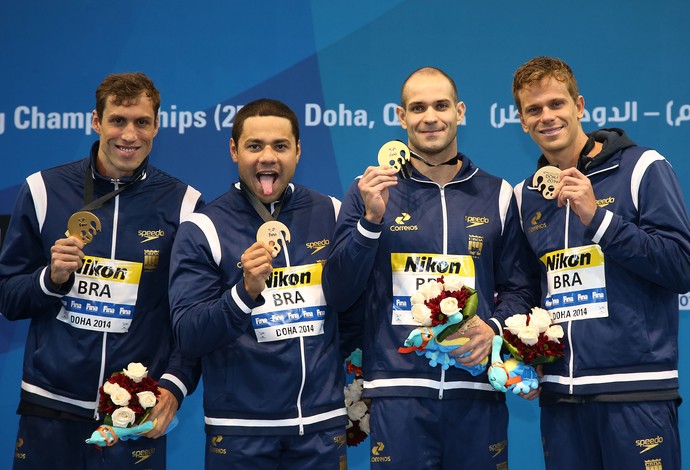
x=532 y=338
x=441 y=308
x=126 y=399
x=357 y=409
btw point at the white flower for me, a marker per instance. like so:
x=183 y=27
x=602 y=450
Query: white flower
x=540 y=318
x=123 y=417
x=353 y=392
x=529 y=335
x=135 y=371
x=147 y=399
x=421 y=314
x=120 y=396
x=449 y=306
x=357 y=410
x=417 y=298
x=430 y=290
x=435 y=289
x=109 y=387
x=515 y=323
x=554 y=333
x=364 y=423
x=453 y=282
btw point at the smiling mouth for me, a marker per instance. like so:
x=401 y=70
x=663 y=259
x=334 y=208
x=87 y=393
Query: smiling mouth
x=266 y=180
x=126 y=148
x=551 y=130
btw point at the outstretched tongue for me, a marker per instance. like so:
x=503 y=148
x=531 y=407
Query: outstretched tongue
x=266 y=184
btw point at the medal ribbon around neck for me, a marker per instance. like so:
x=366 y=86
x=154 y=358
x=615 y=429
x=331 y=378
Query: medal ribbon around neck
x=84 y=224
x=271 y=231
x=397 y=154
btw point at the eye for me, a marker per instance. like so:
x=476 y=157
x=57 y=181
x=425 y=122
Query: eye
x=253 y=147
x=557 y=104
x=532 y=110
x=417 y=108
x=442 y=106
x=281 y=147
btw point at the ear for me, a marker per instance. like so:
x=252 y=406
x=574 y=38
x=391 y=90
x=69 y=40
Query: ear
x=460 y=109
x=580 y=105
x=299 y=150
x=233 y=150
x=522 y=122
x=95 y=122
x=400 y=112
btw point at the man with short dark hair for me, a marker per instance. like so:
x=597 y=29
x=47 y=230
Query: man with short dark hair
x=247 y=300
x=97 y=295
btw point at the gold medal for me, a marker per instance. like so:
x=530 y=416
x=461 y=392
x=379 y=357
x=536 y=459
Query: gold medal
x=546 y=181
x=394 y=154
x=271 y=233
x=83 y=225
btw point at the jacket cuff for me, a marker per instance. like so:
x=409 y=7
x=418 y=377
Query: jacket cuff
x=368 y=233
x=51 y=288
x=495 y=325
x=597 y=227
x=240 y=297
x=174 y=386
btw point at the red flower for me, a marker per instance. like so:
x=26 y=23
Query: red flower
x=355 y=435
x=544 y=350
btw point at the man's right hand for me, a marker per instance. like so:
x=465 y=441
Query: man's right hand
x=257 y=264
x=66 y=257
x=373 y=186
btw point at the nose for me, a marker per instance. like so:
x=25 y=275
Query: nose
x=129 y=133
x=547 y=114
x=430 y=115
x=267 y=155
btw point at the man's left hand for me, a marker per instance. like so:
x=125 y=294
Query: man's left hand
x=479 y=344
x=164 y=411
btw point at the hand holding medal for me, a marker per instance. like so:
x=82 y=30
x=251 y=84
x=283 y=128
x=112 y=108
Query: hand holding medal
x=257 y=260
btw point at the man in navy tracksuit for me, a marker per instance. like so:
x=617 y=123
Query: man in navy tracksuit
x=394 y=233
x=614 y=246
x=247 y=300
x=96 y=307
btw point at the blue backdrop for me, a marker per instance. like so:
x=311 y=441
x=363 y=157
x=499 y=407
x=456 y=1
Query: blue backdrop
x=340 y=66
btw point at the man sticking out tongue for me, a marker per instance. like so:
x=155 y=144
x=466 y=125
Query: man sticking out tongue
x=257 y=309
